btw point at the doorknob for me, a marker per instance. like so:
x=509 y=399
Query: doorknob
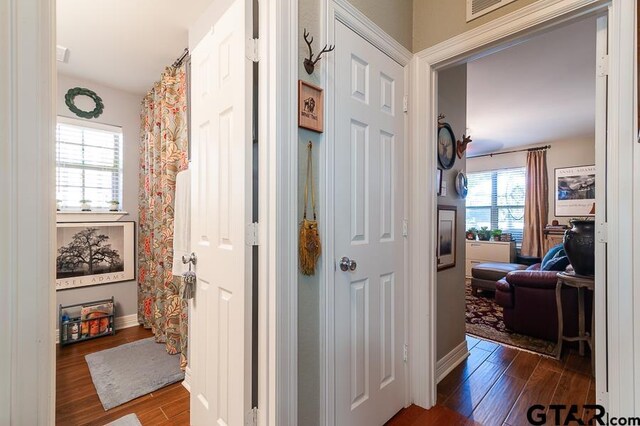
x=347 y=264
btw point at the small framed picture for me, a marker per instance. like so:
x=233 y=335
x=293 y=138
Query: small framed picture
x=310 y=107
x=575 y=191
x=439 y=181
x=446 y=250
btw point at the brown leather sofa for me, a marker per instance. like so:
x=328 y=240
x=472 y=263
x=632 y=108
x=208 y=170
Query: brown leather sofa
x=529 y=301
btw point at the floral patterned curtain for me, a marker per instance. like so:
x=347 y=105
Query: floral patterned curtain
x=163 y=153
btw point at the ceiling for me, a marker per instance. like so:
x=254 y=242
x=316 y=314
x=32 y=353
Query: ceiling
x=535 y=92
x=124 y=44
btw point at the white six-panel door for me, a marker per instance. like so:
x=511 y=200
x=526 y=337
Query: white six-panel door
x=369 y=199
x=220 y=352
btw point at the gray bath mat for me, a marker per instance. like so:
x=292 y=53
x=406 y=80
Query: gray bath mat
x=128 y=420
x=128 y=371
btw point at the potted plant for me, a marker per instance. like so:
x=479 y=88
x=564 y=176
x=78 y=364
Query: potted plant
x=114 y=205
x=85 y=205
x=58 y=205
x=496 y=234
x=484 y=234
x=472 y=233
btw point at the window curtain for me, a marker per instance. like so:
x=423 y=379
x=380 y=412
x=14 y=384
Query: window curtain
x=536 y=204
x=163 y=153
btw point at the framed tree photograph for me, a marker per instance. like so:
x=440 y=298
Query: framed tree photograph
x=310 y=107
x=575 y=191
x=446 y=249
x=93 y=253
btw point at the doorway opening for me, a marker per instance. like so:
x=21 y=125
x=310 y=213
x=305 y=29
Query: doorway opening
x=512 y=192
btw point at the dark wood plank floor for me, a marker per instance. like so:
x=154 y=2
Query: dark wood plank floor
x=496 y=385
x=77 y=402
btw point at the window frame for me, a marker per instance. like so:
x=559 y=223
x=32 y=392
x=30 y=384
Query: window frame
x=116 y=171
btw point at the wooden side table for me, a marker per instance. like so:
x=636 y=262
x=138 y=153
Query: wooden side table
x=581 y=284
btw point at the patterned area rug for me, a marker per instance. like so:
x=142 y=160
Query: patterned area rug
x=484 y=319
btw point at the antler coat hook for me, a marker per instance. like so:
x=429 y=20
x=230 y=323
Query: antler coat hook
x=310 y=63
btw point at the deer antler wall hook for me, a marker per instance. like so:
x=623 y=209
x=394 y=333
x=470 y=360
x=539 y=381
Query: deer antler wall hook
x=310 y=63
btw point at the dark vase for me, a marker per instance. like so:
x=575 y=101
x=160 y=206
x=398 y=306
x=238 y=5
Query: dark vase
x=578 y=244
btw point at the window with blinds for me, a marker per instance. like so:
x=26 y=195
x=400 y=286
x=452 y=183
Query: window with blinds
x=496 y=200
x=88 y=164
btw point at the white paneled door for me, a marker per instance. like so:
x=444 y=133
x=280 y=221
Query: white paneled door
x=369 y=242
x=220 y=353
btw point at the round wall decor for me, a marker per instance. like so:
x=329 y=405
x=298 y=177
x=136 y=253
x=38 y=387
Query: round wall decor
x=446 y=146
x=462 y=185
x=69 y=99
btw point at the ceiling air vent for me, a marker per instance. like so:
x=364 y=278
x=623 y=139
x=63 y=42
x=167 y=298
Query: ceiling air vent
x=476 y=8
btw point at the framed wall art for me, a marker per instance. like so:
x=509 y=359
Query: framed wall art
x=446 y=250
x=575 y=191
x=93 y=253
x=439 y=181
x=310 y=107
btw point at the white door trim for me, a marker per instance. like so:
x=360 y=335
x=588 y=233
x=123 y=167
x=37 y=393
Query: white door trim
x=535 y=17
x=344 y=12
x=27 y=214
x=278 y=201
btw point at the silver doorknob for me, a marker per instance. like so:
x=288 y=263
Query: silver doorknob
x=347 y=264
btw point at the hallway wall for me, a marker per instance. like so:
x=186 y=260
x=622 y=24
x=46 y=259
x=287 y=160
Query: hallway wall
x=435 y=21
x=450 y=310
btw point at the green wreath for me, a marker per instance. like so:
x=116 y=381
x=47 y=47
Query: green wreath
x=79 y=91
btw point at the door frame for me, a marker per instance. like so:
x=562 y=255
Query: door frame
x=344 y=12
x=619 y=397
x=27 y=217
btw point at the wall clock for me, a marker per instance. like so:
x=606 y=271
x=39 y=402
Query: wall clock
x=446 y=146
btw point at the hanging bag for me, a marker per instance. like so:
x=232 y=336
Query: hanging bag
x=309 y=247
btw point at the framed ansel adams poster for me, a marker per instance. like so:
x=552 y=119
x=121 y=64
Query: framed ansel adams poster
x=92 y=253
x=310 y=106
x=575 y=191
x=446 y=250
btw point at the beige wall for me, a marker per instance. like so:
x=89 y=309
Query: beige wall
x=393 y=16
x=120 y=109
x=437 y=20
x=452 y=101
x=578 y=152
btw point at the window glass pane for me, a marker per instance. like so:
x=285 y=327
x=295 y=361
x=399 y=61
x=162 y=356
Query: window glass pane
x=511 y=220
x=479 y=185
x=511 y=187
x=478 y=217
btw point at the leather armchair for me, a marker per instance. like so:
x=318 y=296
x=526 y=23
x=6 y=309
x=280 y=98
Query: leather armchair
x=528 y=299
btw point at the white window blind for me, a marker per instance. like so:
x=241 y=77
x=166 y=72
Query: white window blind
x=88 y=164
x=496 y=200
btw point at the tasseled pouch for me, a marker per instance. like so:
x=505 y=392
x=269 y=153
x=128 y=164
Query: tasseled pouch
x=189 y=284
x=309 y=246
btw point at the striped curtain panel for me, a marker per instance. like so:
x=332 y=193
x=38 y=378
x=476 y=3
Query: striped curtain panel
x=536 y=204
x=163 y=153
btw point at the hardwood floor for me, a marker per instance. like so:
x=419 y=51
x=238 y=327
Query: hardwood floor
x=77 y=402
x=496 y=385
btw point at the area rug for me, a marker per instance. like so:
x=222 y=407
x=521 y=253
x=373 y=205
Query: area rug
x=128 y=420
x=484 y=319
x=128 y=371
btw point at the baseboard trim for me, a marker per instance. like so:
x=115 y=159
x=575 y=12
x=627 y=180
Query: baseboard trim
x=186 y=383
x=451 y=360
x=125 y=321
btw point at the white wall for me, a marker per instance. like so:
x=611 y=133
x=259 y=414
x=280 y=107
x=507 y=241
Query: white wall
x=120 y=109
x=579 y=152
